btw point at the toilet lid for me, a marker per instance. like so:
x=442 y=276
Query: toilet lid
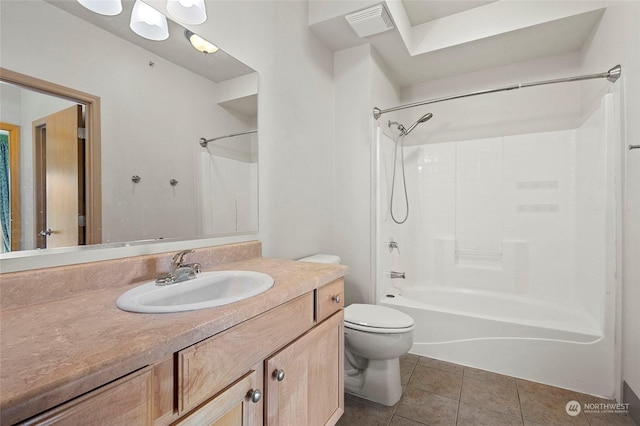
x=374 y=316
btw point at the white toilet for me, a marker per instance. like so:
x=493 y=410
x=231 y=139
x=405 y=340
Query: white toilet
x=375 y=337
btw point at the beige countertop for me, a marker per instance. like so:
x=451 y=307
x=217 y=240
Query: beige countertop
x=57 y=350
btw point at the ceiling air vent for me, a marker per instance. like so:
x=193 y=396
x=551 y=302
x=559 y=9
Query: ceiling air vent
x=370 y=21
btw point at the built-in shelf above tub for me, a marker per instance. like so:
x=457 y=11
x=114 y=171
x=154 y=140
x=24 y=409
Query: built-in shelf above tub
x=240 y=94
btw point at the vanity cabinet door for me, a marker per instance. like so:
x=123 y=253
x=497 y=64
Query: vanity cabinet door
x=305 y=381
x=238 y=405
x=127 y=401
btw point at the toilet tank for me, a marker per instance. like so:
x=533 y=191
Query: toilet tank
x=322 y=258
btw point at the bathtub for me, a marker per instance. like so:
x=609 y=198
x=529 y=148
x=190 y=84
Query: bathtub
x=559 y=345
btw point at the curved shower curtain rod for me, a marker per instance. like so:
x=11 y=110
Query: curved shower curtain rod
x=612 y=75
x=204 y=142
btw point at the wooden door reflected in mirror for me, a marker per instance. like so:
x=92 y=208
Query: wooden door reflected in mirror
x=59 y=179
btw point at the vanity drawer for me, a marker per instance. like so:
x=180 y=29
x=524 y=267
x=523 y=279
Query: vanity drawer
x=126 y=401
x=207 y=367
x=329 y=299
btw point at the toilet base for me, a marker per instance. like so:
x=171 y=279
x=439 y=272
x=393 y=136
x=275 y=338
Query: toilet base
x=379 y=382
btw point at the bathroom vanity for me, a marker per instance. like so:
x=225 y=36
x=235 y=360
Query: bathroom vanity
x=273 y=359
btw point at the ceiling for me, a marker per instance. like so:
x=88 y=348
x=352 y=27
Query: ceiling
x=218 y=66
x=436 y=39
x=421 y=11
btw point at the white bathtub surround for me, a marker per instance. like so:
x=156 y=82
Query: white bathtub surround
x=506 y=270
x=522 y=226
x=227 y=192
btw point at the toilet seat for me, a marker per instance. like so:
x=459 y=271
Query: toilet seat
x=377 y=319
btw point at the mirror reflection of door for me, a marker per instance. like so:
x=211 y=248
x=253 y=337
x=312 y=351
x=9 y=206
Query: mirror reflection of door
x=59 y=170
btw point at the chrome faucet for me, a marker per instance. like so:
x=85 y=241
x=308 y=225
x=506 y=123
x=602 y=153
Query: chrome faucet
x=393 y=245
x=180 y=271
x=394 y=274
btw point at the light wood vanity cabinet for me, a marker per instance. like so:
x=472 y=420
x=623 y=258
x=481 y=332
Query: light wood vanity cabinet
x=127 y=401
x=209 y=366
x=235 y=406
x=305 y=383
x=228 y=379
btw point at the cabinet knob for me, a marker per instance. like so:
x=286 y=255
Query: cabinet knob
x=279 y=375
x=254 y=395
x=336 y=298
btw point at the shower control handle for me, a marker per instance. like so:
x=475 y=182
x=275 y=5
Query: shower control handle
x=394 y=274
x=336 y=298
x=279 y=375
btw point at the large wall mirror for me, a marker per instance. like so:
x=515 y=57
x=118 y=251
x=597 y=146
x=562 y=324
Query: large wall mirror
x=137 y=172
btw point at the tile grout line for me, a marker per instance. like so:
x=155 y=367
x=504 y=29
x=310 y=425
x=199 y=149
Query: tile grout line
x=519 y=401
x=464 y=368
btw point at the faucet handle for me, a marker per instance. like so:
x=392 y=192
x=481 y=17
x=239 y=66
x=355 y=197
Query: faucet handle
x=178 y=258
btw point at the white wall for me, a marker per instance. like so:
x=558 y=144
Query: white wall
x=295 y=118
x=616 y=41
x=552 y=107
x=360 y=80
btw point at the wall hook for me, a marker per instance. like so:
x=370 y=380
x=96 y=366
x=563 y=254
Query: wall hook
x=135 y=178
x=173 y=182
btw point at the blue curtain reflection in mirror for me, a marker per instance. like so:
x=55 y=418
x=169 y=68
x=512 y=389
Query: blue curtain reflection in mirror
x=5 y=196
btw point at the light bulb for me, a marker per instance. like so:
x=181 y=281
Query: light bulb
x=103 y=7
x=200 y=44
x=148 y=22
x=188 y=11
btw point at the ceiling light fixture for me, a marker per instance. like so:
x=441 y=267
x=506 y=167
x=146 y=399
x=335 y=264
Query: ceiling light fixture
x=200 y=44
x=148 y=22
x=188 y=11
x=103 y=7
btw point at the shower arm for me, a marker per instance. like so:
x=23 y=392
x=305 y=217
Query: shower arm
x=612 y=75
x=204 y=142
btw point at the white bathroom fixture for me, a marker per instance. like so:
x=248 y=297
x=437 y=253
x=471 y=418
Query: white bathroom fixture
x=370 y=21
x=200 y=44
x=103 y=7
x=209 y=289
x=148 y=22
x=188 y=11
x=375 y=337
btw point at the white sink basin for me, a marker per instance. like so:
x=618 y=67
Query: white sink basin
x=207 y=290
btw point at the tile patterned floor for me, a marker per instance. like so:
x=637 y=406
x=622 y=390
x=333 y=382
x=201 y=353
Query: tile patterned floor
x=440 y=393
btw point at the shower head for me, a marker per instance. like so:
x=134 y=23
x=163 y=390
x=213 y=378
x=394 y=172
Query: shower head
x=422 y=119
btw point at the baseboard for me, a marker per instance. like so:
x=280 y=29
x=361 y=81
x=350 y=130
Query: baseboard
x=629 y=397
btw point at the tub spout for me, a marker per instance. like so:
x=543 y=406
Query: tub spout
x=395 y=274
